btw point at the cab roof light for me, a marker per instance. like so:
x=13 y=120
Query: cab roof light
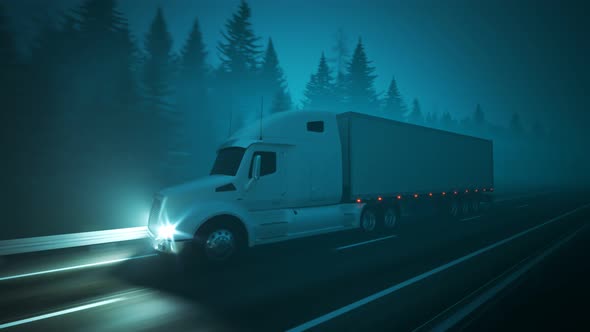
x=455 y=192
x=466 y=190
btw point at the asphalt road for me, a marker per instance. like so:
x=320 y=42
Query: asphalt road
x=522 y=264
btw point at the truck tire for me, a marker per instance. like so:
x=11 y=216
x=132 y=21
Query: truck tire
x=465 y=204
x=453 y=208
x=219 y=242
x=390 y=220
x=475 y=205
x=369 y=218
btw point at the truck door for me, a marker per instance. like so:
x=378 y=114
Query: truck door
x=266 y=198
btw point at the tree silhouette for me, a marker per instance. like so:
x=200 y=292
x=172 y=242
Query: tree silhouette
x=479 y=117
x=239 y=51
x=193 y=101
x=281 y=102
x=361 y=95
x=416 y=116
x=193 y=56
x=273 y=84
x=319 y=91
x=447 y=122
x=432 y=120
x=393 y=105
x=236 y=93
x=161 y=118
x=340 y=61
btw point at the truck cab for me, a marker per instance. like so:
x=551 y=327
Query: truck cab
x=275 y=180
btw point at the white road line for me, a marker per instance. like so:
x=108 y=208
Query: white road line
x=62 y=312
x=470 y=218
x=75 y=267
x=522 y=206
x=493 y=292
x=338 y=312
x=365 y=242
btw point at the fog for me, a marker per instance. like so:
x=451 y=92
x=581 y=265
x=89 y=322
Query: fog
x=97 y=116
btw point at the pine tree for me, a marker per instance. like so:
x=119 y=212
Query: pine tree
x=162 y=119
x=340 y=61
x=447 y=122
x=432 y=119
x=236 y=93
x=361 y=95
x=193 y=101
x=98 y=37
x=478 y=116
x=239 y=52
x=319 y=91
x=281 y=102
x=416 y=116
x=273 y=84
x=193 y=55
x=393 y=105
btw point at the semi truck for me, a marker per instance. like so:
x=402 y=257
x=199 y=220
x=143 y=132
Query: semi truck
x=306 y=173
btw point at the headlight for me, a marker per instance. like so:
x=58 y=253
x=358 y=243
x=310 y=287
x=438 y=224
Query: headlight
x=166 y=231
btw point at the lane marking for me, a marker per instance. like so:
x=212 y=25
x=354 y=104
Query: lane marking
x=62 y=312
x=365 y=242
x=493 y=292
x=515 y=198
x=70 y=240
x=75 y=267
x=470 y=218
x=338 y=312
x=522 y=206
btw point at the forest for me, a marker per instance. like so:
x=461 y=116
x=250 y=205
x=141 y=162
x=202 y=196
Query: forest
x=96 y=119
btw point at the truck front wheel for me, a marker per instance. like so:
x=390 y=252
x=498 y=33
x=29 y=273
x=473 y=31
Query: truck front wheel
x=219 y=242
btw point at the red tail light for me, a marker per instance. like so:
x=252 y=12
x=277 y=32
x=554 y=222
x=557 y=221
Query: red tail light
x=444 y=193
x=399 y=197
x=430 y=194
x=415 y=195
x=379 y=198
x=358 y=200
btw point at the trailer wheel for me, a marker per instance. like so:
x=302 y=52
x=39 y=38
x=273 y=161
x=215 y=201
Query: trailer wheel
x=368 y=220
x=453 y=206
x=475 y=205
x=391 y=217
x=465 y=206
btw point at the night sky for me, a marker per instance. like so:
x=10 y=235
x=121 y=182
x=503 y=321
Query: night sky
x=525 y=56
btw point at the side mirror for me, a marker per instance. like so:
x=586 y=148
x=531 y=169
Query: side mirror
x=255 y=172
x=256 y=167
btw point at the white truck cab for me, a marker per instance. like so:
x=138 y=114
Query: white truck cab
x=275 y=180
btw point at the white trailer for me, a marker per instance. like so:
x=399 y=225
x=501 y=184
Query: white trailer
x=299 y=174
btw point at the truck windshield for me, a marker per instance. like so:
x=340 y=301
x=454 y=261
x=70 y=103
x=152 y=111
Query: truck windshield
x=228 y=161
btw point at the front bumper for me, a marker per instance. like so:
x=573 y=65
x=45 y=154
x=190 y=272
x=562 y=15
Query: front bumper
x=167 y=246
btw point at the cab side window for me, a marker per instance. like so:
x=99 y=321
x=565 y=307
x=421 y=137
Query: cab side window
x=268 y=163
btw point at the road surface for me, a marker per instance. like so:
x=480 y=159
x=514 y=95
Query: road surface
x=523 y=264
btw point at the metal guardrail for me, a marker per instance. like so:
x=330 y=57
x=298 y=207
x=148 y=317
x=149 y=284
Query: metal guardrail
x=51 y=242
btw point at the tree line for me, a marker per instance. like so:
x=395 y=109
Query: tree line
x=91 y=95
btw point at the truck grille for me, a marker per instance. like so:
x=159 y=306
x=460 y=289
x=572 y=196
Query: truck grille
x=155 y=214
